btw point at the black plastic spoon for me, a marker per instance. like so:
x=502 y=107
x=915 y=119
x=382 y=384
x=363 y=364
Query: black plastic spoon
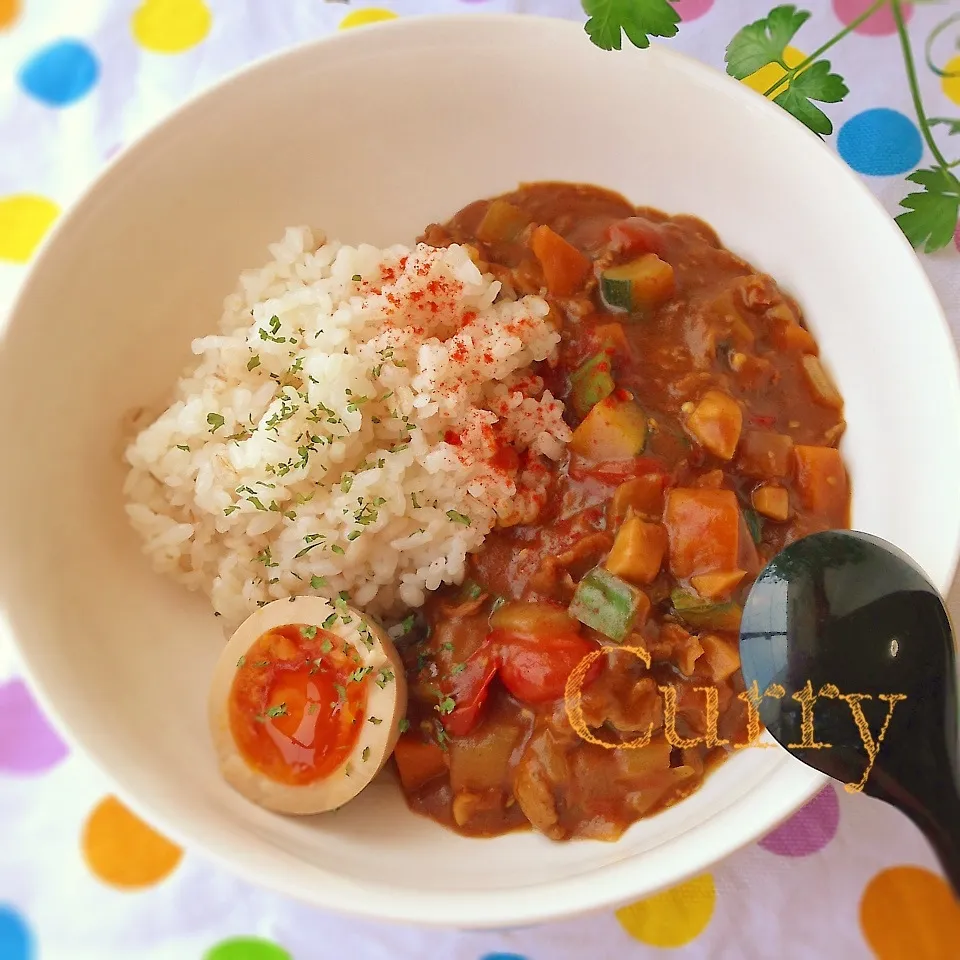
x=840 y=614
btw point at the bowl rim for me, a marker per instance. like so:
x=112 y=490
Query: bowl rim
x=738 y=824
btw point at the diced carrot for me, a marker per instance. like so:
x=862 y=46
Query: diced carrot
x=824 y=389
x=771 y=501
x=704 y=530
x=712 y=480
x=418 y=762
x=610 y=337
x=643 y=494
x=638 y=551
x=716 y=422
x=716 y=586
x=823 y=484
x=564 y=266
x=765 y=455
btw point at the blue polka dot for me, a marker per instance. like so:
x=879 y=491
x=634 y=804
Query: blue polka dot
x=16 y=942
x=880 y=142
x=502 y=956
x=61 y=73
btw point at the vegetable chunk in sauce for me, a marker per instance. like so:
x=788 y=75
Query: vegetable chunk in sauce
x=705 y=434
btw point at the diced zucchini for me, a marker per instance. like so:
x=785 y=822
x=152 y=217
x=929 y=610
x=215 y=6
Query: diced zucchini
x=501 y=223
x=613 y=430
x=607 y=604
x=707 y=616
x=754 y=524
x=590 y=383
x=640 y=285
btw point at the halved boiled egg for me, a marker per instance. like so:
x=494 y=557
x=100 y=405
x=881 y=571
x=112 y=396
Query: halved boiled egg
x=305 y=705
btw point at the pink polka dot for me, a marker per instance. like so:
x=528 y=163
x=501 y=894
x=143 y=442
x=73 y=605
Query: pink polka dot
x=28 y=744
x=881 y=24
x=692 y=9
x=808 y=830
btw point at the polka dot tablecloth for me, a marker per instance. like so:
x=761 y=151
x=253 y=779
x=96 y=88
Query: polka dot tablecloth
x=83 y=878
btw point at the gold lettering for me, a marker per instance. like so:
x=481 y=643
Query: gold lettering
x=872 y=748
x=573 y=699
x=807 y=698
x=709 y=739
x=752 y=698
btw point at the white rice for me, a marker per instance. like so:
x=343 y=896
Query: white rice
x=307 y=451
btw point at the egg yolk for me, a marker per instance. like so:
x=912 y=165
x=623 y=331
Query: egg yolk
x=297 y=703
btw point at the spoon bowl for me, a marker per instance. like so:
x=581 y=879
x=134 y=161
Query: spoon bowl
x=848 y=651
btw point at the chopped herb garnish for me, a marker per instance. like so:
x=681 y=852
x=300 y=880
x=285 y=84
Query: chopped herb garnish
x=457 y=669
x=376 y=721
x=307 y=549
x=346 y=483
x=215 y=421
x=360 y=673
x=183 y=446
x=404 y=725
x=407 y=624
x=241 y=662
x=280 y=710
x=458 y=517
x=265 y=558
x=262 y=663
x=312 y=707
x=341 y=691
x=357 y=278
x=228 y=510
x=327 y=645
x=317 y=582
x=336 y=548
x=446 y=646
x=253 y=362
x=309 y=631
x=386 y=675
x=329 y=622
x=446 y=705
x=365 y=755
x=353 y=534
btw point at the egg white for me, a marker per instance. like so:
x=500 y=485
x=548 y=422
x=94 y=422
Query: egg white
x=388 y=702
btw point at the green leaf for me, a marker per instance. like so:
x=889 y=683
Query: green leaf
x=953 y=126
x=931 y=214
x=814 y=83
x=638 y=19
x=764 y=41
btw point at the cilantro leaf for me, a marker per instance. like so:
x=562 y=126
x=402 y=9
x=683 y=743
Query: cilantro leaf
x=638 y=19
x=931 y=214
x=764 y=41
x=814 y=83
x=953 y=126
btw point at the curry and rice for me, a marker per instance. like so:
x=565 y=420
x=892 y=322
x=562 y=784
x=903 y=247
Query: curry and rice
x=557 y=425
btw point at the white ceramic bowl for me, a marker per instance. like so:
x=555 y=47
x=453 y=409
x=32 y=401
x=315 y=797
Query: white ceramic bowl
x=372 y=135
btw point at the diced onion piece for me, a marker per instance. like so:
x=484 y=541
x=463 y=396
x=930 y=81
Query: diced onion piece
x=771 y=501
x=824 y=389
x=716 y=422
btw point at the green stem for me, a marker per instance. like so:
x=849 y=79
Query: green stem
x=932 y=39
x=849 y=28
x=914 y=85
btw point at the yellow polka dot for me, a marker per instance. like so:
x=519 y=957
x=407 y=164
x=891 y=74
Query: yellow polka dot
x=951 y=84
x=170 y=26
x=24 y=219
x=908 y=913
x=359 y=18
x=674 y=917
x=9 y=11
x=764 y=78
x=123 y=851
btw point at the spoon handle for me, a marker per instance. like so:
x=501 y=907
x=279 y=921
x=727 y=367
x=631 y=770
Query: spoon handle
x=940 y=824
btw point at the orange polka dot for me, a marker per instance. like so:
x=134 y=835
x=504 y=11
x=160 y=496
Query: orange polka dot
x=359 y=18
x=764 y=78
x=9 y=11
x=674 y=917
x=909 y=913
x=122 y=850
